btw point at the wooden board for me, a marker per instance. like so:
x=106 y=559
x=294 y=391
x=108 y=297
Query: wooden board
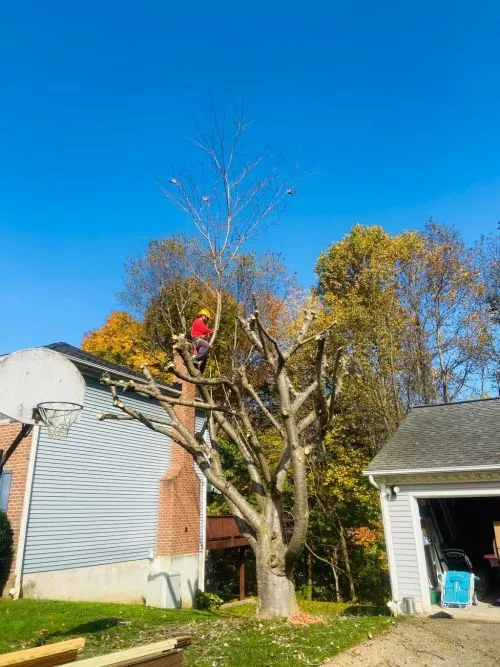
x=166 y=653
x=44 y=656
x=496 y=530
x=171 y=659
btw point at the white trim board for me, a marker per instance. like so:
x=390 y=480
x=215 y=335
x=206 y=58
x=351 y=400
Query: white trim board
x=433 y=471
x=456 y=493
x=391 y=558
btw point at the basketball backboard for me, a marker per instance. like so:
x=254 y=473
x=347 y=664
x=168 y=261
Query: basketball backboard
x=34 y=376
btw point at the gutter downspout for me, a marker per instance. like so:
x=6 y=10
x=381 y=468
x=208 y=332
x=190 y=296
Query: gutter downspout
x=373 y=482
x=23 y=528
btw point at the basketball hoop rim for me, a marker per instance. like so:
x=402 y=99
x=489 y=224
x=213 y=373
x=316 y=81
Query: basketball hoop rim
x=71 y=406
x=57 y=416
x=66 y=407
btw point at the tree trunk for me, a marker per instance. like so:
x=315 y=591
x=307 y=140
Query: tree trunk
x=334 y=565
x=442 y=366
x=309 y=576
x=347 y=562
x=276 y=593
x=275 y=586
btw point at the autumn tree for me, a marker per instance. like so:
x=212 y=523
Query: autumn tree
x=358 y=288
x=165 y=295
x=162 y=286
x=397 y=300
x=123 y=340
x=167 y=285
x=227 y=200
x=236 y=196
x=417 y=309
x=488 y=250
x=345 y=536
x=449 y=333
x=358 y=285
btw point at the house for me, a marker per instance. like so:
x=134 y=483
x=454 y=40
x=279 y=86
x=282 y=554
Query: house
x=97 y=515
x=439 y=483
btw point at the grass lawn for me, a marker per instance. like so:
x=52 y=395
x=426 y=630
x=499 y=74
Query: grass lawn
x=229 y=637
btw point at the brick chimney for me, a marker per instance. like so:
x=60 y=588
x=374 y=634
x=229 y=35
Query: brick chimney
x=179 y=498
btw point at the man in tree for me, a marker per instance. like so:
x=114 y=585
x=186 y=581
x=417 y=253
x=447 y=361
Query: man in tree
x=199 y=334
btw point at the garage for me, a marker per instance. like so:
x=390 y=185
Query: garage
x=439 y=483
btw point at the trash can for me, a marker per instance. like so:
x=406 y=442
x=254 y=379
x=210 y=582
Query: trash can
x=409 y=605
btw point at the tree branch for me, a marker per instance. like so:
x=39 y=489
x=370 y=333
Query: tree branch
x=146 y=390
x=301 y=398
x=246 y=384
x=247 y=445
x=189 y=442
x=301 y=340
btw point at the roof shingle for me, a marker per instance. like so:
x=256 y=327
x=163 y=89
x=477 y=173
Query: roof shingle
x=452 y=435
x=86 y=358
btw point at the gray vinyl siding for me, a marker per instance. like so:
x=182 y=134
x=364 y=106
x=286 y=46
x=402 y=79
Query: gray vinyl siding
x=404 y=540
x=404 y=546
x=95 y=495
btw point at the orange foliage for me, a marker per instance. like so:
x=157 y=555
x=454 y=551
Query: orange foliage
x=365 y=536
x=122 y=340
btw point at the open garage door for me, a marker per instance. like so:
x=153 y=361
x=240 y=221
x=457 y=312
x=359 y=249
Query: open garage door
x=459 y=535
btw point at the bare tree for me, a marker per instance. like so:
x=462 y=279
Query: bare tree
x=227 y=202
x=228 y=199
x=300 y=419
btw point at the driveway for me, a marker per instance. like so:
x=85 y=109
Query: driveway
x=428 y=642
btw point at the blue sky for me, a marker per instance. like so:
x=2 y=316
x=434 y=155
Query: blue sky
x=393 y=106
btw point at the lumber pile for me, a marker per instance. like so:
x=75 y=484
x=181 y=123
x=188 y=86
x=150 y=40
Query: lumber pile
x=44 y=656
x=167 y=653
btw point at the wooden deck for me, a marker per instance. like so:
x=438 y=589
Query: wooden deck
x=223 y=533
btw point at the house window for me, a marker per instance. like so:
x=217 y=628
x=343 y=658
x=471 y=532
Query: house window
x=5 y=479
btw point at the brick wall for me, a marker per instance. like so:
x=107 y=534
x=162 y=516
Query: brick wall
x=179 y=500
x=18 y=465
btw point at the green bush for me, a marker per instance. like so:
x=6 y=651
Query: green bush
x=208 y=601
x=5 y=550
x=5 y=538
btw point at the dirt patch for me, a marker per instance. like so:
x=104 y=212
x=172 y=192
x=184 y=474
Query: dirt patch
x=430 y=643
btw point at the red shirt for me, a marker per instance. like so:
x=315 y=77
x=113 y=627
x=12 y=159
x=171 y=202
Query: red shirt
x=199 y=329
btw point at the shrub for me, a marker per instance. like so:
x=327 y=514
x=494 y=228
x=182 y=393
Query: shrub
x=5 y=538
x=5 y=549
x=208 y=601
